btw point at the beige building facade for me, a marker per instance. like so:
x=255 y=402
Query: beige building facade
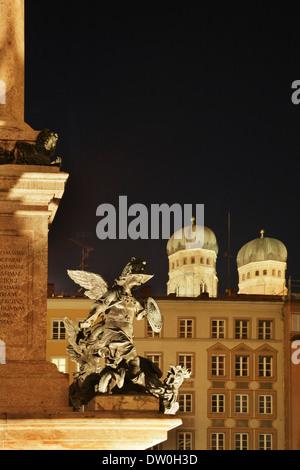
x=234 y=348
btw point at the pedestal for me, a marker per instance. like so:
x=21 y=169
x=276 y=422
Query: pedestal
x=29 y=198
x=116 y=423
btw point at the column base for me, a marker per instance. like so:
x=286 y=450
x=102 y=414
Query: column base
x=115 y=430
x=11 y=131
x=33 y=387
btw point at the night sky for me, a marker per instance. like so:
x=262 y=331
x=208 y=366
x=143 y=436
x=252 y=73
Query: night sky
x=164 y=102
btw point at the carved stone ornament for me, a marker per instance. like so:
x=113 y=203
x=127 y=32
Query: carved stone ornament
x=40 y=153
x=102 y=345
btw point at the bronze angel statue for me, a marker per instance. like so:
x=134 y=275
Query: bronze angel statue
x=103 y=344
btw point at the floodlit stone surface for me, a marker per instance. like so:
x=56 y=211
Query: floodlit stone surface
x=12 y=90
x=123 y=430
x=29 y=198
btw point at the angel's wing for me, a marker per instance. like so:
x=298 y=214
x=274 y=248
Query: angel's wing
x=95 y=284
x=72 y=330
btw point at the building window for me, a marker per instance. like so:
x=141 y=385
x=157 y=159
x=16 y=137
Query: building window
x=273 y=272
x=279 y=273
x=243 y=277
x=58 y=330
x=265 y=442
x=208 y=261
x=60 y=362
x=184 y=260
x=265 y=366
x=256 y=273
x=218 y=366
x=265 y=272
x=265 y=404
x=155 y=358
x=218 y=403
x=241 y=366
x=241 y=441
x=150 y=333
x=201 y=260
x=172 y=266
x=218 y=328
x=295 y=322
x=184 y=441
x=241 y=403
x=177 y=264
x=241 y=329
x=185 y=401
x=217 y=441
x=248 y=275
x=186 y=328
x=186 y=360
x=193 y=260
x=203 y=287
x=265 y=328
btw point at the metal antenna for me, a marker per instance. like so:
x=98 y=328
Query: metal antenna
x=85 y=250
x=228 y=254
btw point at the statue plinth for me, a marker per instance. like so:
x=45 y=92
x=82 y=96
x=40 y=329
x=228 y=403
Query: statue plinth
x=112 y=423
x=12 y=131
x=123 y=403
x=124 y=430
x=29 y=198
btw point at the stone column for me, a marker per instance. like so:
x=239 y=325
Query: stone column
x=12 y=50
x=12 y=59
x=29 y=198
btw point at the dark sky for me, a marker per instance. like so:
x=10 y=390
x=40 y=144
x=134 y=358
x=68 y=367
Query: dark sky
x=168 y=103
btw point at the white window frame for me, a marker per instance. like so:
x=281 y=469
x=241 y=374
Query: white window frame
x=241 y=365
x=218 y=403
x=265 y=365
x=265 y=404
x=218 y=330
x=241 y=331
x=60 y=326
x=217 y=441
x=241 y=441
x=185 y=401
x=218 y=364
x=186 y=329
x=186 y=360
x=184 y=440
x=295 y=321
x=150 y=333
x=241 y=402
x=265 y=441
x=265 y=329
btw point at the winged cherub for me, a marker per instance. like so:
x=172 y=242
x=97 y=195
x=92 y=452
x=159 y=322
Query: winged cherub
x=112 y=337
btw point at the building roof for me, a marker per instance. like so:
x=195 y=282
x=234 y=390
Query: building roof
x=262 y=249
x=192 y=237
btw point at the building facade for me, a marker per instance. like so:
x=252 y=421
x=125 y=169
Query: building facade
x=243 y=350
x=234 y=348
x=292 y=371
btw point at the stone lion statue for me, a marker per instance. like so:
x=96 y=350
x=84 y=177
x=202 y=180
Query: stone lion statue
x=39 y=153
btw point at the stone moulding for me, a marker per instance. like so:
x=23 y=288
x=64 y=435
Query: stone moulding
x=116 y=430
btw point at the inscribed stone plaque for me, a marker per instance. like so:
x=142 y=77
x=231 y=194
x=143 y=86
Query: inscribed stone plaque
x=15 y=289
